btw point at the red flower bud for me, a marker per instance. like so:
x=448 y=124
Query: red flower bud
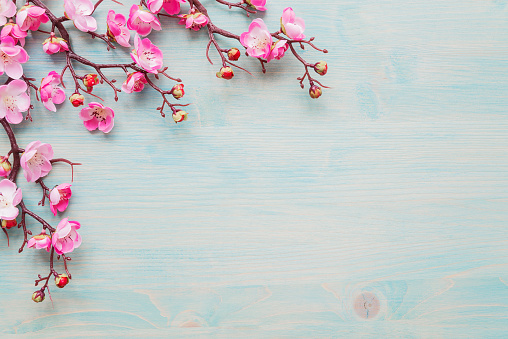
x=321 y=68
x=9 y=223
x=177 y=91
x=76 y=99
x=61 y=280
x=315 y=91
x=225 y=73
x=90 y=80
x=179 y=116
x=234 y=54
x=38 y=296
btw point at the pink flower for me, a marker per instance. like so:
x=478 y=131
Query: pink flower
x=36 y=160
x=141 y=21
x=51 y=93
x=146 y=55
x=278 y=50
x=59 y=198
x=194 y=20
x=117 y=30
x=154 y=5
x=135 y=82
x=11 y=58
x=40 y=242
x=97 y=116
x=7 y=10
x=292 y=26
x=14 y=32
x=257 y=40
x=66 y=237
x=13 y=101
x=79 y=11
x=257 y=4
x=171 y=7
x=10 y=197
x=30 y=17
x=54 y=45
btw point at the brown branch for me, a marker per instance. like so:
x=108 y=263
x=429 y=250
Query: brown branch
x=237 y=5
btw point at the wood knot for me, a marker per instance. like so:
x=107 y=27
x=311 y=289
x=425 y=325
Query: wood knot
x=367 y=305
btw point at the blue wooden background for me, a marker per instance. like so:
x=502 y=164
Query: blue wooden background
x=268 y=214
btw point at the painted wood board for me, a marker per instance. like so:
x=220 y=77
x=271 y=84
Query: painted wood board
x=268 y=214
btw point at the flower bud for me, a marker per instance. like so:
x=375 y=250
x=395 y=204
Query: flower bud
x=5 y=167
x=179 y=116
x=225 y=73
x=315 y=91
x=321 y=67
x=9 y=223
x=177 y=91
x=54 y=45
x=234 y=54
x=38 y=296
x=90 y=80
x=61 y=280
x=76 y=99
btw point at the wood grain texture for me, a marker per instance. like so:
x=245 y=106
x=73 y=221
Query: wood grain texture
x=268 y=214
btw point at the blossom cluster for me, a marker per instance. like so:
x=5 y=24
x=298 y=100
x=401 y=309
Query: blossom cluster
x=14 y=100
x=142 y=70
x=148 y=58
x=36 y=162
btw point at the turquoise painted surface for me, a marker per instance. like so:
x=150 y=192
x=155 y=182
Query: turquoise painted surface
x=268 y=214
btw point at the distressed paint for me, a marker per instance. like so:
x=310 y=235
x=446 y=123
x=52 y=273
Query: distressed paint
x=268 y=214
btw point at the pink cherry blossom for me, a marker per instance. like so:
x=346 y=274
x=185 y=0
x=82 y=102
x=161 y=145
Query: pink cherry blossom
x=257 y=40
x=15 y=32
x=51 y=93
x=142 y=21
x=40 y=242
x=10 y=197
x=278 y=50
x=13 y=101
x=11 y=58
x=117 y=30
x=66 y=237
x=171 y=7
x=54 y=45
x=257 y=4
x=36 y=160
x=80 y=12
x=30 y=17
x=98 y=116
x=135 y=82
x=7 y=10
x=154 y=5
x=292 y=26
x=59 y=198
x=194 y=20
x=147 y=55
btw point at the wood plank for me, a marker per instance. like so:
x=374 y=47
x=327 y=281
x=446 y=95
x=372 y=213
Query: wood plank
x=268 y=214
